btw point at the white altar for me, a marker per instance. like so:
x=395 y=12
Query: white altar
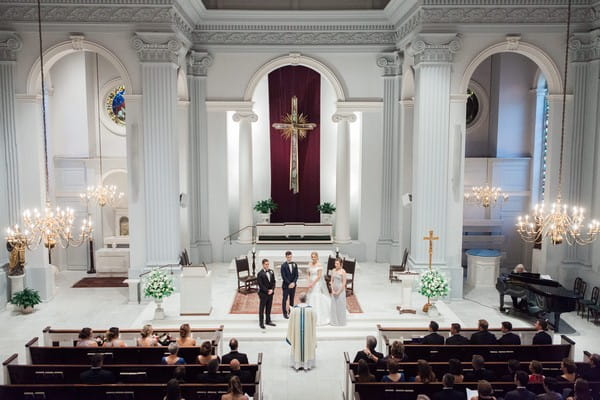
x=196 y=291
x=483 y=267
x=113 y=259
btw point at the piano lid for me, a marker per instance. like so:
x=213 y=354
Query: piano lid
x=544 y=287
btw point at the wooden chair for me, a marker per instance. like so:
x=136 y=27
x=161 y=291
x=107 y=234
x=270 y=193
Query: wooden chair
x=580 y=293
x=398 y=268
x=584 y=304
x=246 y=282
x=349 y=266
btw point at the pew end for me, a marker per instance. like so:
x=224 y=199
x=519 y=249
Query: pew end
x=14 y=359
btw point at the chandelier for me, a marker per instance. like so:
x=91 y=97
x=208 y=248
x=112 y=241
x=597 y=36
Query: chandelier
x=560 y=223
x=53 y=226
x=485 y=196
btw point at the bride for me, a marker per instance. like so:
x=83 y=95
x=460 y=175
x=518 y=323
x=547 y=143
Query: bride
x=318 y=295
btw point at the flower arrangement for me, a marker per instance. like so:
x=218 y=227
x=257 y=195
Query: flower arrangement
x=158 y=285
x=433 y=284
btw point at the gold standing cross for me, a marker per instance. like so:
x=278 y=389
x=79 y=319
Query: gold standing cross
x=431 y=238
x=294 y=126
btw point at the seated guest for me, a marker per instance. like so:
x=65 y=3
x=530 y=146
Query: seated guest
x=484 y=391
x=483 y=336
x=147 y=338
x=581 y=390
x=364 y=374
x=508 y=337
x=234 y=354
x=536 y=369
x=212 y=374
x=206 y=355
x=234 y=390
x=569 y=370
x=96 y=375
x=541 y=337
x=112 y=338
x=396 y=352
x=592 y=374
x=552 y=391
x=448 y=392
x=479 y=371
x=179 y=373
x=455 y=369
x=513 y=367
x=369 y=354
x=519 y=304
x=173 y=390
x=424 y=372
x=85 y=338
x=185 y=338
x=236 y=369
x=433 y=337
x=455 y=336
x=172 y=358
x=521 y=392
x=393 y=374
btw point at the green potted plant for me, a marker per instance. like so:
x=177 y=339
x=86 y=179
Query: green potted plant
x=264 y=208
x=26 y=299
x=326 y=209
x=158 y=286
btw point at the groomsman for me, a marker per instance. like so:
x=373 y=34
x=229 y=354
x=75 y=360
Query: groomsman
x=266 y=288
x=289 y=275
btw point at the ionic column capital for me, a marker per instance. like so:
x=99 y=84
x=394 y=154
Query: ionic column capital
x=198 y=63
x=240 y=116
x=157 y=48
x=10 y=44
x=435 y=48
x=391 y=63
x=343 y=116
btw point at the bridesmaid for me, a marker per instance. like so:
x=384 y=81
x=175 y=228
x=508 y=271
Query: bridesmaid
x=338 y=294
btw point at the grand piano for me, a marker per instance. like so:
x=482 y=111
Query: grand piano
x=543 y=295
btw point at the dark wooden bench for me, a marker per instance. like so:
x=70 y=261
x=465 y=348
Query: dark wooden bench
x=114 y=392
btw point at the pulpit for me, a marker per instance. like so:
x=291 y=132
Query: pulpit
x=483 y=267
x=196 y=291
x=407 y=280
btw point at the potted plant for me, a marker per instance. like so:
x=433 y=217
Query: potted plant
x=158 y=286
x=26 y=299
x=432 y=285
x=264 y=208
x=326 y=209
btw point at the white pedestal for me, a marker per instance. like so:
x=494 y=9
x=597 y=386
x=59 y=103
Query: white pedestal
x=16 y=283
x=408 y=279
x=483 y=267
x=196 y=291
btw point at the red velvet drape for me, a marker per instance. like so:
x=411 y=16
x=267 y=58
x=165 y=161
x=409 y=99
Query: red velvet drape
x=305 y=84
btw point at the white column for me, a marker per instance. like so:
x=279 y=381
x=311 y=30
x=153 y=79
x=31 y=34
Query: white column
x=200 y=246
x=342 y=177
x=388 y=230
x=246 y=218
x=158 y=56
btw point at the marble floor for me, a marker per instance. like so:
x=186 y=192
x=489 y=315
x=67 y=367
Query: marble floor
x=103 y=307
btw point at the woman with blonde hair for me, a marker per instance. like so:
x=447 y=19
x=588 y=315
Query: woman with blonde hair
x=147 y=338
x=318 y=296
x=112 y=338
x=185 y=338
x=234 y=390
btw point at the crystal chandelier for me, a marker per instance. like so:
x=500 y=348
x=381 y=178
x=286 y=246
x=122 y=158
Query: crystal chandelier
x=485 y=196
x=560 y=223
x=53 y=226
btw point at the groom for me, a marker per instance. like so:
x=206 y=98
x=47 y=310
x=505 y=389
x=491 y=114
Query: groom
x=289 y=275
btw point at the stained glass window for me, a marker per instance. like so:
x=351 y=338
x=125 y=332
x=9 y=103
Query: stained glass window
x=115 y=105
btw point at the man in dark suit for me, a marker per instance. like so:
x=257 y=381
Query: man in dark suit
x=483 y=336
x=512 y=368
x=479 y=371
x=235 y=370
x=266 y=288
x=289 y=275
x=234 y=354
x=448 y=392
x=508 y=337
x=455 y=337
x=541 y=337
x=433 y=337
x=96 y=375
x=521 y=392
x=212 y=374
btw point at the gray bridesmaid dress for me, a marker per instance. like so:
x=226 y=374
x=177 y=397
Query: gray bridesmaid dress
x=338 y=304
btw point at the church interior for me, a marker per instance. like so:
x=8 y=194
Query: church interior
x=153 y=153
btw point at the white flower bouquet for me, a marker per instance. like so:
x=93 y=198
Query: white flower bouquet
x=158 y=285
x=433 y=284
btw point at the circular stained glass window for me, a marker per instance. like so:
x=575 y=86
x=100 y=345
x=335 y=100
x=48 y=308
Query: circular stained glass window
x=472 y=107
x=115 y=105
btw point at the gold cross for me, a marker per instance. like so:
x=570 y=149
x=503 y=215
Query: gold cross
x=431 y=238
x=294 y=126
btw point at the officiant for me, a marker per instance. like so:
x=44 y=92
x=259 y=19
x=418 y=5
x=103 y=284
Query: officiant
x=302 y=335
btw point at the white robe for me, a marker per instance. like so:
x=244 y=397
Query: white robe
x=302 y=336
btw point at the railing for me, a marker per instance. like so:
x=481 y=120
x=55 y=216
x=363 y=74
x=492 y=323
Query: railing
x=230 y=236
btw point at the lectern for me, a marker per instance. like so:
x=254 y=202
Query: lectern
x=407 y=278
x=196 y=291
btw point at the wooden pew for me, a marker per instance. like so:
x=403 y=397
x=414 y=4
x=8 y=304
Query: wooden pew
x=117 y=392
x=388 y=334
x=112 y=355
x=68 y=337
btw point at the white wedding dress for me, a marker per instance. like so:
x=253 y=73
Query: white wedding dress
x=318 y=297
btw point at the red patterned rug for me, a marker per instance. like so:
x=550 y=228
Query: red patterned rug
x=100 y=282
x=248 y=303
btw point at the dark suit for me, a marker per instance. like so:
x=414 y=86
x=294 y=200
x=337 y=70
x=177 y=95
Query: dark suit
x=288 y=277
x=207 y=377
x=519 y=394
x=479 y=374
x=509 y=338
x=457 y=339
x=361 y=355
x=483 y=337
x=266 y=282
x=449 y=394
x=235 y=355
x=244 y=376
x=433 y=338
x=97 y=376
x=542 y=338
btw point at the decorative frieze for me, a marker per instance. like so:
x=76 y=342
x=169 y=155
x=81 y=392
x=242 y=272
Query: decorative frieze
x=10 y=44
x=156 y=51
x=435 y=48
x=391 y=63
x=585 y=47
x=198 y=63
